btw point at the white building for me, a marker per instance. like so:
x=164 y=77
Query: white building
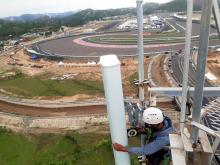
x=129 y=24
x=154 y=18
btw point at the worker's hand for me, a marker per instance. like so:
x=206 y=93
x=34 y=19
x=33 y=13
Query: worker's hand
x=139 y=128
x=119 y=147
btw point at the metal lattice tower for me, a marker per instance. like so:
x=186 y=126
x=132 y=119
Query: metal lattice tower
x=193 y=147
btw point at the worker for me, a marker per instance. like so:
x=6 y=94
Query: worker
x=155 y=149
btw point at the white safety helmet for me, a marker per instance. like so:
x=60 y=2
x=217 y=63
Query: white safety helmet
x=153 y=115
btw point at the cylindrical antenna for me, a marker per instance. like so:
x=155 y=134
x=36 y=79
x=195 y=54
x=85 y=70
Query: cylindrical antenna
x=115 y=105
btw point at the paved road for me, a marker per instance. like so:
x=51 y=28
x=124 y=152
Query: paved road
x=66 y=46
x=181 y=26
x=212 y=118
x=177 y=66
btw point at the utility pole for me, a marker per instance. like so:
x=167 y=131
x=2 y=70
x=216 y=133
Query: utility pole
x=186 y=63
x=141 y=66
x=140 y=50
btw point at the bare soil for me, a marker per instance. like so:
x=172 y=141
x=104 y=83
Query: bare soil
x=44 y=112
x=128 y=68
x=79 y=68
x=70 y=111
x=213 y=65
x=158 y=75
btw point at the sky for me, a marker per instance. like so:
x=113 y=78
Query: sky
x=19 y=7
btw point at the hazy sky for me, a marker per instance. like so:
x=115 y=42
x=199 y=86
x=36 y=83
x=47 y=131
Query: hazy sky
x=19 y=7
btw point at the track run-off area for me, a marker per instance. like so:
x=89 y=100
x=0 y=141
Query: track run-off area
x=123 y=43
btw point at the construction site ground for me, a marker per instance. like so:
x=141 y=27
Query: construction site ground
x=70 y=111
x=81 y=71
x=158 y=74
x=78 y=67
x=22 y=62
x=213 y=66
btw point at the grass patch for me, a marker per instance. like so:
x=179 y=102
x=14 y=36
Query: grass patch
x=132 y=78
x=36 y=86
x=55 y=150
x=15 y=149
x=156 y=38
x=50 y=149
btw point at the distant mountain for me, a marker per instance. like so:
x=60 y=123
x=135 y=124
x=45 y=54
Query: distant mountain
x=86 y=15
x=149 y=8
x=15 y=26
x=80 y=17
x=61 y=15
x=179 y=6
x=24 y=18
x=33 y=17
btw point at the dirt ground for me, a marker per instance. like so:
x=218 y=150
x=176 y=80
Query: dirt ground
x=158 y=74
x=81 y=71
x=78 y=68
x=70 y=111
x=213 y=65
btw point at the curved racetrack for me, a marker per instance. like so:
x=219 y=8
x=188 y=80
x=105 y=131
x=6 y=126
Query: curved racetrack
x=67 y=46
x=71 y=46
x=77 y=46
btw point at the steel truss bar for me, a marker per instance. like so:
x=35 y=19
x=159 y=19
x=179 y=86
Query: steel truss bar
x=216 y=134
x=201 y=65
x=216 y=16
x=177 y=91
x=206 y=129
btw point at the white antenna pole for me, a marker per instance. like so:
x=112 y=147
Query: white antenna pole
x=141 y=65
x=186 y=63
x=115 y=105
x=140 y=50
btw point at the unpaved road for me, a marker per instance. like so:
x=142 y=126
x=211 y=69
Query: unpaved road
x=53 y=112
x=43 y=112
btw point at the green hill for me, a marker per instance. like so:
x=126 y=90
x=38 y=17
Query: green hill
x=82 y=17
x=177 y=6
x=87 y=15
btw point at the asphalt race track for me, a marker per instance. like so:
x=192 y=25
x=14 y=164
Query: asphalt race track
x=68 y=46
